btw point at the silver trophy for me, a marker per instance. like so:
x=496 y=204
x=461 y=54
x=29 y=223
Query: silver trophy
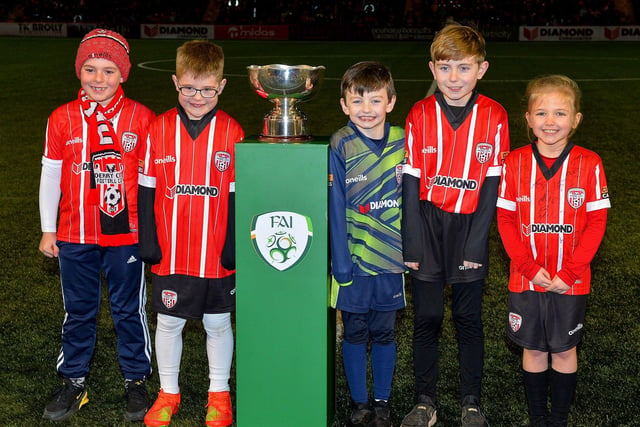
x=285 y=86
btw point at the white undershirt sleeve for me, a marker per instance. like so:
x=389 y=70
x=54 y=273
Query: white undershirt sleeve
x=49 y=197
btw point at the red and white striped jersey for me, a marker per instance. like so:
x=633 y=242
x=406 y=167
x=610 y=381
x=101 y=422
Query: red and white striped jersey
x=192 y=180
x=546 y=216
x=453 y=163
x=67 y=142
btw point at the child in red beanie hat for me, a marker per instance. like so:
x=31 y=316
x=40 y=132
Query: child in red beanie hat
x=88 y=211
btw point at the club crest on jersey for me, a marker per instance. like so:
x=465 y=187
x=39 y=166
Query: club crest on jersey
x=129 y=141
x=222 y=160
x=515 y=321
x=575 y=197
x=399 y=169
x=169 y=298
x=281 y=238
x=483 y=152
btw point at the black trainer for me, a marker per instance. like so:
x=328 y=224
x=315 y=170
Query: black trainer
x=66 y=401
x=360 y=414
x=381 y=414
x=423 y=414
x=137 y=399
x=471 y=414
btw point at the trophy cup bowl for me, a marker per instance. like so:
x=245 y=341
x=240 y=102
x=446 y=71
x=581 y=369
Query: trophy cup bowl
x=285 y=86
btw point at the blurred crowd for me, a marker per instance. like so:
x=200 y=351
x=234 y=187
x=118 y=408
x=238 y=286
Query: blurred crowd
x=379 y=13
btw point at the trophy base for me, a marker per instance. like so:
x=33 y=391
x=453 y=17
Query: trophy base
x=285 y=139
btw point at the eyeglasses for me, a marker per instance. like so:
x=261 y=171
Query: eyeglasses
x=207 y=92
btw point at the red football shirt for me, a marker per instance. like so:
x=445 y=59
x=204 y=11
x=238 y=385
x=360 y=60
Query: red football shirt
x=549 y=217
x=66 y=141
x=452 y=164
x=193 y=179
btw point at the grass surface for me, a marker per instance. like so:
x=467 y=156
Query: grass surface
x=37 y=76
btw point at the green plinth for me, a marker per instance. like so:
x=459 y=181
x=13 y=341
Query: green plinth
x=285 y=331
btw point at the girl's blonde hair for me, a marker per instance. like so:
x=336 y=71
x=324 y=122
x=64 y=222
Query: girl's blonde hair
x=554 y=83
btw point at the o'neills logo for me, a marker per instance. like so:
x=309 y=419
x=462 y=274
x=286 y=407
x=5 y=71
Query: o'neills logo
x=527 y=230
x=192 y=190
x=449 y=182
x=281 y=238
x=166 y=159
x=378 y=204
x=358 y=178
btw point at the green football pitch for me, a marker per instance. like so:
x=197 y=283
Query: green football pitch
x=37 y=75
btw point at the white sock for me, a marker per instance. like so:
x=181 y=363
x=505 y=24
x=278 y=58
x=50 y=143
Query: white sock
x=219 y=349
x=169 y=351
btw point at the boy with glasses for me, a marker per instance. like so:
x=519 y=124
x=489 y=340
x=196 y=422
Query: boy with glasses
x=186 y=199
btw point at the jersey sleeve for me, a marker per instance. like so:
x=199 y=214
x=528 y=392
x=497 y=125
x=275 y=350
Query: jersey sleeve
x=149 y=246
x=475 y=248
x=509 y=227
x=413 y=144
x=589 y=243
x=228 y=254
x=502 y=145
x=341 y=264
x=597 y=204
x=411 y=175
x=49 y=194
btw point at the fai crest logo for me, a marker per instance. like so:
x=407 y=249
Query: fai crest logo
x=515 y=321
x=129 y=141
x=575 y=197
x=281 y=238
x=222 y=160
x=483 y=152
x=169 y=298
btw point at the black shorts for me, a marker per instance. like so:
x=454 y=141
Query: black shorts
x=191 y=297
x=546 y=321
x=445 y=234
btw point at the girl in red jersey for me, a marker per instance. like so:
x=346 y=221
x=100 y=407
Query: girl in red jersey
x=88 y=211
x=552 y=213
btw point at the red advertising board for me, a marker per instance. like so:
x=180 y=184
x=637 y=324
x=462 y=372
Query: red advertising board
x=252 y=32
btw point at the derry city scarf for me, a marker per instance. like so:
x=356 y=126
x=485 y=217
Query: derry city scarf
x=107 y=189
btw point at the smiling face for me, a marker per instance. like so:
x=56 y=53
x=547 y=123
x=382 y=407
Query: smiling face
x=198 y=106
x=456 y=79
x=552 y=119
x=100 y=79
x=368 y=111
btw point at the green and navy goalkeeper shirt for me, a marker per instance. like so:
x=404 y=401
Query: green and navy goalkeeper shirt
x=365 y=203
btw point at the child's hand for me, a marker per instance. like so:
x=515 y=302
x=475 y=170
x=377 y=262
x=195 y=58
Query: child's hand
x=542 y=278
x=412 y=265
x=471 y=265
x=48 y=245
x=558 y=286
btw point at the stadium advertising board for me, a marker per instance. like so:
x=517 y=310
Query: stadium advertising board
x=166 y=31
x=583 y=33
x=252 y=32
x=40 y=29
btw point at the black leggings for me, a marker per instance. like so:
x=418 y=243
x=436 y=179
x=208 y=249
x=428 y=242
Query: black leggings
x=428 y=304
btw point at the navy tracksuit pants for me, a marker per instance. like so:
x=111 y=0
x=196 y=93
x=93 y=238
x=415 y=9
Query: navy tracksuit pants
x=81 y=266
